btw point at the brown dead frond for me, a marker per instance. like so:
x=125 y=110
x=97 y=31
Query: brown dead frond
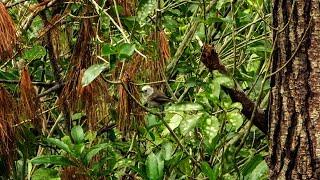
x=93 y=98
x=29 y=102
x=8 y=34
x=131 y=115
x=8 y=117
x=164 y=46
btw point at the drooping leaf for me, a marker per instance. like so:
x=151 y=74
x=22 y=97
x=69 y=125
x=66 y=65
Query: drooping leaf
x=95 y=150
x=60 y=144
x=77 y=134
x=208 y=171
x=52 y=159
x=92 y=73
x=251 y=164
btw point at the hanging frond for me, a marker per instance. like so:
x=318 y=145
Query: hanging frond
x=8 y=118
x=8 y=34
x=93 y=98
x=29 y=102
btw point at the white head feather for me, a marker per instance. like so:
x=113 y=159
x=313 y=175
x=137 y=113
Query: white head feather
x=147 y=90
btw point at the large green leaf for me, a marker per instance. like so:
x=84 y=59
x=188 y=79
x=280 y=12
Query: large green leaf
x=186 y=107
x=208 y=171
x=52 y=159
x=173 y=123
x=92 y=73
x=251 y=164
x=126 y=50
x=190 y=123
x=77 y=134
x=36 y=52
x=155 y=166
x=235 y=118
x=95 y=150
x=59 y=144
x=45 y=174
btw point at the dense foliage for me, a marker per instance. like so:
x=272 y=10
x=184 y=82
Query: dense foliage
x=73 y=85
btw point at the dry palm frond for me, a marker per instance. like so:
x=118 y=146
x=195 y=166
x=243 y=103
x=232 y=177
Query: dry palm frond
x=93 y=98
x=8 y=117
x=29 y=103
x=96 y=99
x=164 y=46
x=131 y=115
x=8 y=34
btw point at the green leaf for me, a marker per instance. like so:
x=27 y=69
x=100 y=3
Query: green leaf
x=189 y=123
x=77 y=116
x=36 y=52
x=186 y=107
x=107 y=49
x=145 y=9
x=251 y=164
x=126 y=50
x=77 y=134
x=259 y=172
x=92 y=73
x=95 y=150
x=52 y=159
x=45 y=174
x=235 y=118
x=154 y=167
x=210 y=126
x=59 y=144
x=173 y=124
x=208 y=171
x=167 y=151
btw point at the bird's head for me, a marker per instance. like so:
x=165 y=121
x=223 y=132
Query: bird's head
x=147 y=90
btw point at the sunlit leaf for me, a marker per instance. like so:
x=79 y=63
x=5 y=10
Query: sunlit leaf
x=92 y=73
x=235 y=118
x=173 y=123
x=189 y=123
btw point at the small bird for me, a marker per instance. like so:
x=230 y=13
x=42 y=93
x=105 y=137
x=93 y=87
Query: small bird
x=154 y=97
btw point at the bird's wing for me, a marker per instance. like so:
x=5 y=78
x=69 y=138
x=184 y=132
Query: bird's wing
x=160 y=98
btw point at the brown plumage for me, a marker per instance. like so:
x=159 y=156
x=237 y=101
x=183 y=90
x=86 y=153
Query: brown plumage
x=154 y=97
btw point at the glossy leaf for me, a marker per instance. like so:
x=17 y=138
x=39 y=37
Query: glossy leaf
x=92 y=73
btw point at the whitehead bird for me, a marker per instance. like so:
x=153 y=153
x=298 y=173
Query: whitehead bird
x=154 y=97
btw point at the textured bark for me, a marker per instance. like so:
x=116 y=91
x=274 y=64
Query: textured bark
x=295 y=99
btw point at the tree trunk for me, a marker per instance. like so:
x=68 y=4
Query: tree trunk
x=294 y=127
